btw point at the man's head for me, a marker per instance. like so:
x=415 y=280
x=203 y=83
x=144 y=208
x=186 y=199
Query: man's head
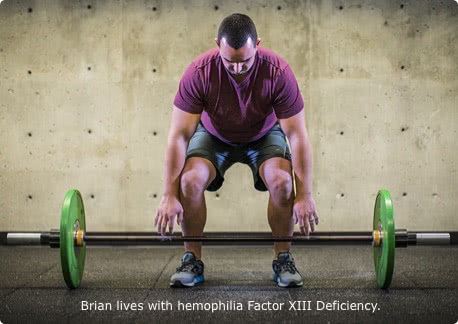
x=237 y=41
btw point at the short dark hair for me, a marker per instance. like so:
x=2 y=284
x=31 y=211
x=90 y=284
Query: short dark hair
x=236 y=28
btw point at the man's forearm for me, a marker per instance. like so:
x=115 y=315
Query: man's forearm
x=302 y=164
x=174 y=162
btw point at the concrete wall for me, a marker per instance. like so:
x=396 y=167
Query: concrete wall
x=86 y=91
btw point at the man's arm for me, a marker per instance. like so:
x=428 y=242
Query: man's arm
x=295 y=130
x=182 y=128
x=304 y=209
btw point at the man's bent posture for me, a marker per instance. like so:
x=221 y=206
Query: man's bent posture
x=235 y=103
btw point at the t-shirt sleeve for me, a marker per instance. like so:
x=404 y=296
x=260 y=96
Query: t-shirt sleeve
x=287 y=99
x=190 y=93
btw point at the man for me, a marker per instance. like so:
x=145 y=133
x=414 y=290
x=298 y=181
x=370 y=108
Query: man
x=235 y=103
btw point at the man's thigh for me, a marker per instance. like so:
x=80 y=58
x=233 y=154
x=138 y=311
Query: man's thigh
x=274 y=148
x=203 y=145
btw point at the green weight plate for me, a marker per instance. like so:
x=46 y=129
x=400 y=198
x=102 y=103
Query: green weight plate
x=384 y=254
x=71 y=256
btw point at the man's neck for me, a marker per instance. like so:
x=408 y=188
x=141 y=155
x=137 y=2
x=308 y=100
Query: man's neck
x=240 y=77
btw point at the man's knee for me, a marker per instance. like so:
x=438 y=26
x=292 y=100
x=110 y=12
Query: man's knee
x=193 y=183
x=196 y=176
x=280 y=185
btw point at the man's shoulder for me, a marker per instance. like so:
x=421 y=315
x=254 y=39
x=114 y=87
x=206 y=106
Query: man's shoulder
x=206 y=58
x=269 y=57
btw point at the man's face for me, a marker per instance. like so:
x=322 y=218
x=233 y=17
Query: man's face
x=237 y=61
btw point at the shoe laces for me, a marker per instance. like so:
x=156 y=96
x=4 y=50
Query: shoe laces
x=286 y=265
x=190 y=266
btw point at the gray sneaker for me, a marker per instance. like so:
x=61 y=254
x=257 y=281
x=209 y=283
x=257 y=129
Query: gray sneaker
x=190 y=272
x=285 y=272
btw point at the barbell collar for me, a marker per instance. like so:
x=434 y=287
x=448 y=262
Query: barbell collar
x=402 y=238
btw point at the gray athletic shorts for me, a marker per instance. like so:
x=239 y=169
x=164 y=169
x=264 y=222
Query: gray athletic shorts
x=223 y=155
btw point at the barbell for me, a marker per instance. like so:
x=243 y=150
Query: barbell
x=72 y=238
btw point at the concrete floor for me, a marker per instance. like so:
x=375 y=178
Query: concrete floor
x=424 y=288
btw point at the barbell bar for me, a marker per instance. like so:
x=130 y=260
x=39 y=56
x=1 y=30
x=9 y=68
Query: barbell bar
x=402 y=238
x=72 y=238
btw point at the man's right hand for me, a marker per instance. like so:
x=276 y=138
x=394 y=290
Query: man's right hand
x=169 y=208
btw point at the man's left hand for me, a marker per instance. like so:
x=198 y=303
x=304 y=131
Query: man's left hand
x=305 y=213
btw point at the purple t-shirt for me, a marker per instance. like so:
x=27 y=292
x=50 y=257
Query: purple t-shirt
x=239 y=112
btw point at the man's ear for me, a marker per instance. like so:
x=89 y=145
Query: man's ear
x=217 y=42
x=258 y=41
